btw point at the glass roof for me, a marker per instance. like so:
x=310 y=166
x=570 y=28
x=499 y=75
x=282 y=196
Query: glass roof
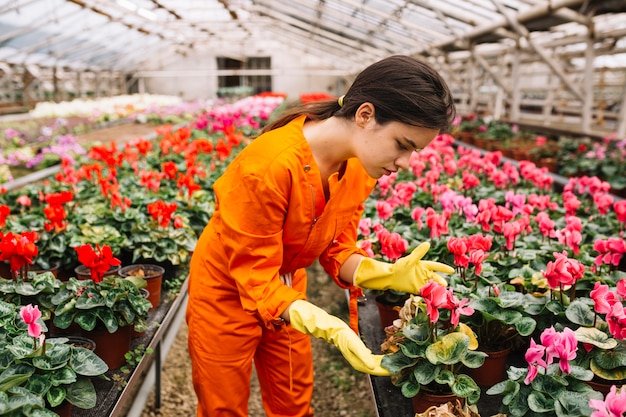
x=124 y=34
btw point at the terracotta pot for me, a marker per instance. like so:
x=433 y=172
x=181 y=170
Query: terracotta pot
x=63 y=410
x=153 y=274
x=54 y=269
x=5 y=270
x=111 y=347
x=82 y=272
x=387 y=314
x=550 y=163
x=424 y=400
x=467 y=137
x=603 y=386
x=493 y=370
x=54 y=331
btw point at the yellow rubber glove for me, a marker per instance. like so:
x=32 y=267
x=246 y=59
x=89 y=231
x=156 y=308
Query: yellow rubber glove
x=309 y=319
x=408 y=274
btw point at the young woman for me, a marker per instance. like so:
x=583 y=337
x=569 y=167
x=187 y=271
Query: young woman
x=290 y=197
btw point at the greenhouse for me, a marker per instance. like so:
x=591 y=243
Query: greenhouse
x=356 y=208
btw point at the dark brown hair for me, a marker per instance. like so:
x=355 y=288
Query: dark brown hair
x=401 y=88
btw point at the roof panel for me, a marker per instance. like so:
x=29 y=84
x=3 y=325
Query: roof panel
x=364 y=29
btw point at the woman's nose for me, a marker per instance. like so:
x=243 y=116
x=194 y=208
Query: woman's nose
x=403 y=160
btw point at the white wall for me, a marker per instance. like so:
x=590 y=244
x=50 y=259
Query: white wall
x=195 y=77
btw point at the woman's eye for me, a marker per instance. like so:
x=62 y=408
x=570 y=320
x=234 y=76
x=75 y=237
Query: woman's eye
x=401 y=146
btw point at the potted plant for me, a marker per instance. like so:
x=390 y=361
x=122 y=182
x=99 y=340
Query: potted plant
x=430 y=348
x=600 y=333
x=552 y=384
x=469 y=126
x=47 y=213
x=163 y=234
x=103 y=306
x=18 y=249
x=152 y=274
x=40 y=375
x=38 y=290
x=500 y=322
x=495 y=135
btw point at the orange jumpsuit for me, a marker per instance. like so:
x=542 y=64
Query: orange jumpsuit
x=271 y=221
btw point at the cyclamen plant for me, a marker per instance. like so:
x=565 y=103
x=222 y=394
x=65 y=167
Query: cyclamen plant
x=428 y=346
x=552 y=384
x=614 y=405
x=19 y=249
x=99 y=261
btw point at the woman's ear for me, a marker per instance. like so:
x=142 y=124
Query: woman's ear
x=364 y=114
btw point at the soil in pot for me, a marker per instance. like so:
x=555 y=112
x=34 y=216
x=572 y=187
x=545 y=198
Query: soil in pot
x=425 y=400
x=82 y=272
x=153 y=274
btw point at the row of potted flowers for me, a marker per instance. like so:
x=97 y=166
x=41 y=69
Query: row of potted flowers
x=147 y=201
x=562 y=154
x=535 y=268
x=51 y=133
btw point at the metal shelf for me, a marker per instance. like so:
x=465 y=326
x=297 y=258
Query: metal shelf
x=129 y=400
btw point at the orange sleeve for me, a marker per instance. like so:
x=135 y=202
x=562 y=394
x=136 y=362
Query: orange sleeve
x=252 y=214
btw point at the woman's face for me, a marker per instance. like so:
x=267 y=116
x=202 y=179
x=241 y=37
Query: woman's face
x=383 y=149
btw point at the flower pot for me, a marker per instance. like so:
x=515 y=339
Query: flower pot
x=603 y=385
x=424 y=400
x=493 y=369
x=153 y=274
x=82 y=272
x=63 y=410
x=548 y=162
x=54 y=331
x=111 y=347
x=54 y=269
x=387 y=314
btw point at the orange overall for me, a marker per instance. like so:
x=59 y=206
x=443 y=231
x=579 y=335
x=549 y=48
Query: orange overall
x=271 y=221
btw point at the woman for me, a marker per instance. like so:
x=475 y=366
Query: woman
x=290 y=197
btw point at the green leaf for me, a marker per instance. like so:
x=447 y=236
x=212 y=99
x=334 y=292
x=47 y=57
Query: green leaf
x=87 y=363
x=525 y=326
x=580 y=313
x=572 y=404
x=409 y=387
x=82 y=394
x=55 y=396
x=425 y=372
x=108 y=318
x=474 y=358
x=396 y=362
x=449 y=349
x=86 y=320
x=15 y=375
x=464 y=386
x=62 y=376
x=39 y=384
x=540 y=403
x=596 y=337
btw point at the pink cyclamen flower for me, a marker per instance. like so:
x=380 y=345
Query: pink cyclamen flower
x=458 y=307
x=435 y=296
x=534 y=357
x=620 y=210
x=563 y=271
x=458 y=248
x=30 y=314
x=603 y=299
x=614 y=405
